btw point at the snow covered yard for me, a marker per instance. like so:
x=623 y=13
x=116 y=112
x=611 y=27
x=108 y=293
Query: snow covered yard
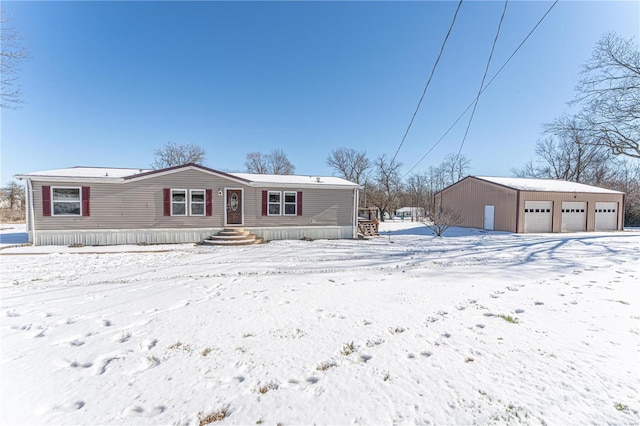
x=476 y=327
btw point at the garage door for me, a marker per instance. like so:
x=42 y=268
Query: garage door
x=574 y=216
x=606 y=216
x=537 y=216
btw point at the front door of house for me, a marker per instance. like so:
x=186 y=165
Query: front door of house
x=234 y=207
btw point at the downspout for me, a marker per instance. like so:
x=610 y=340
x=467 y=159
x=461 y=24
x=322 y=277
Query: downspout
x=355 y=213
x=31 y=210
x=621 y=219
x=517 y=210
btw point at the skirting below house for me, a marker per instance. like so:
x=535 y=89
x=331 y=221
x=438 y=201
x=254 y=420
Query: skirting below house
x=105 y=237
x=300 y=232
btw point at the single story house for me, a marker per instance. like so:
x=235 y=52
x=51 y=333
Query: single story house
x=416 y=213
x=533 y=205
x=187 y=203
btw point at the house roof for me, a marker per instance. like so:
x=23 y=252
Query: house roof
x=294 y=180
x=545 y=185
x=82 y=172
x=107 y=174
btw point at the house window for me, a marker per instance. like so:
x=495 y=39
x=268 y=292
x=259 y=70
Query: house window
x=274 y=203
x=290 y=202
x=197 y=207
x=66 y=201
x=178 y=202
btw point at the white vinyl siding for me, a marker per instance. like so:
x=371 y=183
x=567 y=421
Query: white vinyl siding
x=66 y=201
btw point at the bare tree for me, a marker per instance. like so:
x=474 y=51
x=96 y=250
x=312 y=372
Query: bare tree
x=279 y=163
x=454 y=167
x=610 y=95
x=419 y=193
x=12 y=200
x=349 y=163
x=442 y=218
x=257 y=163
x=12 y=53
x=275 y=163
x=12 y=195
x=172 y=154
x=568 y=154
x=386 y=187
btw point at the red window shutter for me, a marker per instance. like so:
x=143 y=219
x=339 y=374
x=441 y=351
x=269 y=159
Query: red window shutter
x=167 y=201
x=86 y=196
x=46 y=201
x=299 y=203
x=265 y=199
x=209 y=202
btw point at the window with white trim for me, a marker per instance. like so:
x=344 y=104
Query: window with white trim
x=290 y=203
x=66 y=201
x=274 y=199
x=178 y=202
x=197 y=200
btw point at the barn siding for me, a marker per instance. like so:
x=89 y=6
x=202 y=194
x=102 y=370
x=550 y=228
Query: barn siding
x=559 y=197
x=470 y=195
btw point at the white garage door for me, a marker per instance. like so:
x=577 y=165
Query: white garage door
x=537 y=216
x=574 y=216
x=606 y=216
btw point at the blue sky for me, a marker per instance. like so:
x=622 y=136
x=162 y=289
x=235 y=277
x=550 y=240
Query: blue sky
x=110 y=82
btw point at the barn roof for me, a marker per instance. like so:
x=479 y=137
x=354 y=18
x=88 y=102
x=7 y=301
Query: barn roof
x=545 y=185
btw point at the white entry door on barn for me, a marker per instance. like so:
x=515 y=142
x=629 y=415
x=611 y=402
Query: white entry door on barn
x=489 y=217
x=574 y=216
x=538 y=216
x=606 y=216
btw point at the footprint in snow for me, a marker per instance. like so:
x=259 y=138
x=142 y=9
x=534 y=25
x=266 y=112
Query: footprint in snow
x=365 y=358
x=519 y=311
x=539 y=303
x=148 y=344
x=480 y=325
x=138 y=410
x=64 y=407
x=122 y=337
x=100 y=366
x=76 y=364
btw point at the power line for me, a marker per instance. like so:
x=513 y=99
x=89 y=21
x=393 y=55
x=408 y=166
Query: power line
x=433 y=70
x=484 y=76
x=483 y=89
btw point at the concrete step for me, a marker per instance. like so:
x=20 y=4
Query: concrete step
x=245 y=242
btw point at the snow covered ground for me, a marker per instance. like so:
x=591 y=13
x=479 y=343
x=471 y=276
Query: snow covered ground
x=474 y=328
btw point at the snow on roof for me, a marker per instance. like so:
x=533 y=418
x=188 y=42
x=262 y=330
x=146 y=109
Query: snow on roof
x=85 y=172
x=294 y=179
x=549 y=185
x=106 y=173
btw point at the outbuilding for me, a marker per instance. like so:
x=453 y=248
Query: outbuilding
x=187 y=203
x=533 y=205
